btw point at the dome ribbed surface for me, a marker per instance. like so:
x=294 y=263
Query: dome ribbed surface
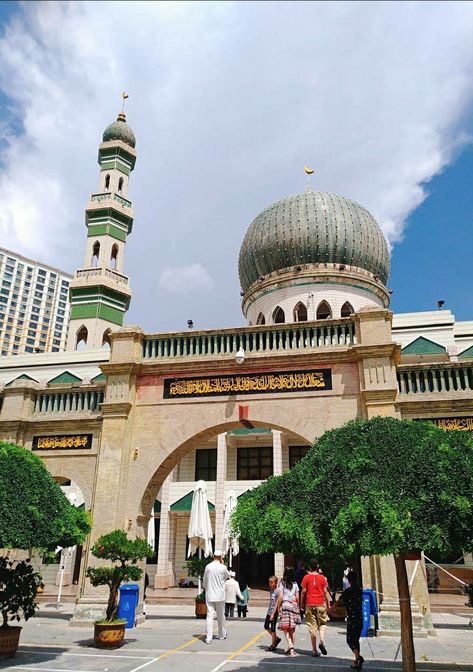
x=120 y=130
x=308 y=228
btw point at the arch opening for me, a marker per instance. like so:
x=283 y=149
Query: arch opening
x=106 y=342
x=120 y=185
x=81 y=338
x=278 y=315
x=324 y=312
x=95 y=254
x=347 y=309
x=107 y=182
x=300 y=312
x=261 y=319
x=114 y=256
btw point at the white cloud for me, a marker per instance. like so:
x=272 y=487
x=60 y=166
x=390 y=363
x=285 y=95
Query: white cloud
x=228 y=101
x=186 y=279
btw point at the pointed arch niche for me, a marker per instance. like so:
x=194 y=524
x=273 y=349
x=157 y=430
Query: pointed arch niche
x=261 y=319
x=324 y=312
x=278 y=315
x=114 y=256
x=81 y=338
x=107 y=182
x=300 y=312
x=120 y=185
x=106 y=342
x=347 y=309
x=95 y=254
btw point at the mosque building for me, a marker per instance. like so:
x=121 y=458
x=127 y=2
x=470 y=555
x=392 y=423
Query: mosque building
x=131 y=420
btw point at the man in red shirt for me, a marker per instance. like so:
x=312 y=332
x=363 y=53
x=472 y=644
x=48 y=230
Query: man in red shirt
x=315 y=599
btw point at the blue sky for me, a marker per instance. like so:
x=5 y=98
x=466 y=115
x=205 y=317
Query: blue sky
x=228 y=101
x=434 y=261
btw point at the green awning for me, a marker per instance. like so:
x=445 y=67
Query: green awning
x=157 y=506
x=185 y=504
x=423 y=346
x=253 y=430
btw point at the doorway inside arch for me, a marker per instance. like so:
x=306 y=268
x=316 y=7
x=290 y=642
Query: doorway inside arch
x=253 y=568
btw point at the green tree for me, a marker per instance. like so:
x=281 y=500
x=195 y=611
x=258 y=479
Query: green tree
x=124 y=553
x=376 y=487
x=34 y=512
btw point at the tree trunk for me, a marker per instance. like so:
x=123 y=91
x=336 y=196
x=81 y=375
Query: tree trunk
x=112 y=606
x=407 y=637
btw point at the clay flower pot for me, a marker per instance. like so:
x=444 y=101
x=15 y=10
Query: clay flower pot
x=108 y=635
x=9 y=638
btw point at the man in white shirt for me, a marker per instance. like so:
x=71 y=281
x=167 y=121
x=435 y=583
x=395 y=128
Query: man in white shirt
x=232 y=591
x=215 y=576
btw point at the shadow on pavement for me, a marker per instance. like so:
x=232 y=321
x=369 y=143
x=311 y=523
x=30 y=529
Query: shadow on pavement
x=332 y=664
x=90 y=644
x=31 y=654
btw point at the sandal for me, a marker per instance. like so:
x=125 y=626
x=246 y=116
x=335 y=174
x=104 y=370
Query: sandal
x=288 y=651
x=315 y=654
x=359 y=663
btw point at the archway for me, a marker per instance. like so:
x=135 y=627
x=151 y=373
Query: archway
x=227 y=457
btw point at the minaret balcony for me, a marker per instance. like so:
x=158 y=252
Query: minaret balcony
x=91 y=277
x=110 y=199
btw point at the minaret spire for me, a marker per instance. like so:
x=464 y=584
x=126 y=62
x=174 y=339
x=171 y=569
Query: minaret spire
x=100 y=292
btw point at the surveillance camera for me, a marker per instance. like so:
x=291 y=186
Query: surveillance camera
x=190 y=324
x=240 y=356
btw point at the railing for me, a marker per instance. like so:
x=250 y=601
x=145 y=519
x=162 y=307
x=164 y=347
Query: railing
x=106 y=196
x=68 y=402
x=434 y=378
x=94 y=272
x=274 y=338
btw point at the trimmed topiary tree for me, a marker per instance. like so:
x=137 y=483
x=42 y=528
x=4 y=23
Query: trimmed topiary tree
x=34 y=512
x=377 y=487
x=124 y=553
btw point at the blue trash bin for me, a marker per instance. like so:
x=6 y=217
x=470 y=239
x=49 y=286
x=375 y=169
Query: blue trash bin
x=369 y=607
x=129 y=593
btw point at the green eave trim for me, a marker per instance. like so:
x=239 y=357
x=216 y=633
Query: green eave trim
x=466 y=354
x=185 y=504
x=24 y=376
x=110 y=154
x=254 y=430
x=108 y=213
x=65 y=377
x=96 y=230
x=97 y=311
x=97 y=291
x=157 y=506
x=115 y=165
x=423 y=346
x=100 y=378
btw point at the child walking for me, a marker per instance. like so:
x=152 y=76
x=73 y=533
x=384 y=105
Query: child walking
x=242 y=604
x=272 y=613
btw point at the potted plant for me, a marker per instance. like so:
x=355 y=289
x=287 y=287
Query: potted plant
x=196 y=567
x=18 y=586
x=124 y=553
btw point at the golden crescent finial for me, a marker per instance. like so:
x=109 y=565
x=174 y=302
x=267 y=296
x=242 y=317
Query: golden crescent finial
x=308 y=170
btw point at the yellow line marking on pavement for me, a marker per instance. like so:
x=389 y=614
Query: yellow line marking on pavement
x=246 y=646
x=167 y=653
x=178 y=648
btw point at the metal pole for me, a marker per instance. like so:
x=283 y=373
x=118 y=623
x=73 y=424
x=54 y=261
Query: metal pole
x=200 y=582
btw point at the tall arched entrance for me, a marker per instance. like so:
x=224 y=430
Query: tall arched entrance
x=237 y=460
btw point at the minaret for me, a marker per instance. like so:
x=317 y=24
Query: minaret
x=100 y=292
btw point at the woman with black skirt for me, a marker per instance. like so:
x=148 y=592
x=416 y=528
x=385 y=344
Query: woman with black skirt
x=352 y=600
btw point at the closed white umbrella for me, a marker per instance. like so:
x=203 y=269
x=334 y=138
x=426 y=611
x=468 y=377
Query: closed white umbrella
x=151 y=530
x=229 y=540
x=200 y=528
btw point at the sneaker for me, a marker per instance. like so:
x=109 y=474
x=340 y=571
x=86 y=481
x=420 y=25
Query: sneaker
x=207 y=641
x=322 y=648
x=224 y=636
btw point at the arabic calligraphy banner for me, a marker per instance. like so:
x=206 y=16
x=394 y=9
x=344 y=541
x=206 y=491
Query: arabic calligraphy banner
x=463 y=424
x=248 y=383
x=66 y=442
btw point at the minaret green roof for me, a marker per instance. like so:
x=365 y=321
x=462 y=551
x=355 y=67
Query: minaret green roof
x=313 y=227
x=120 y=130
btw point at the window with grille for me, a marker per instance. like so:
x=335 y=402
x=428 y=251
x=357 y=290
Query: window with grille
x=254 y=464
x=296 y=453
x=206 y=464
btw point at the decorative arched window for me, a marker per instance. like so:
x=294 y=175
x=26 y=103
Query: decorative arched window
x=106 y=343
x=278 y=315
x=81 y=338
x=107 y=182
x=324 y=312
x=300 y=312
x=95 y=254
x=114 y=256
x=347 y=309
x=120 y=184
x=261 y=319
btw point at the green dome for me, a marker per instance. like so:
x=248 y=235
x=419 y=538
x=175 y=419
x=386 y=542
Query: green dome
x=120 y=130
x=309 y=228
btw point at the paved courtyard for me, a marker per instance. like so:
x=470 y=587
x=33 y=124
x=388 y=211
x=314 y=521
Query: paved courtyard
x=171 y=640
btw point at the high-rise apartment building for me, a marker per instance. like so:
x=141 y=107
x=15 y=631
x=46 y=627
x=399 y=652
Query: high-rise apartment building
x=34 y=305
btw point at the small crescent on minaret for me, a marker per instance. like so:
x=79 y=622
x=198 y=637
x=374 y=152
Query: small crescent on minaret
x=308 y=170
